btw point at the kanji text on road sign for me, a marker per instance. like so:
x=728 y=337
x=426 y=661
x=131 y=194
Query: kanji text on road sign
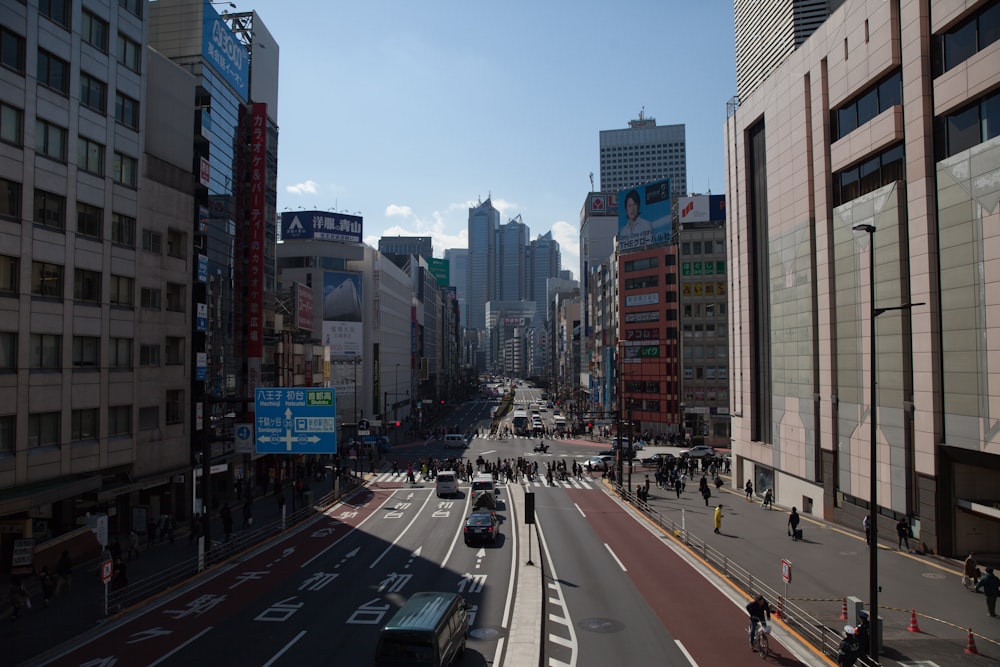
x=295 y=420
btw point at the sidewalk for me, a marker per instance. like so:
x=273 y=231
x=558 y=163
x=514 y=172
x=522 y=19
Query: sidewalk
x=78 y=611
x=830 y=563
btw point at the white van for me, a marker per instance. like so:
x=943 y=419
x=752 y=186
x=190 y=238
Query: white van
x=454 y=440
x=446 y=483
x=483 y=482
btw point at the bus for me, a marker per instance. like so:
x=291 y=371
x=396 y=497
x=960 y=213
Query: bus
x=520 y=422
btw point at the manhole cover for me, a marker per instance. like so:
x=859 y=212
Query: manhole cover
x=600 y=625
x=484 y=633
x=933 y=575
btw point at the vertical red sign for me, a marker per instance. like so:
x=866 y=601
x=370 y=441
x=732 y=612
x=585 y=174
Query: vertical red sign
x=255 y=279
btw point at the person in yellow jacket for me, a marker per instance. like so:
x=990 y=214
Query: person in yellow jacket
x=718 y=519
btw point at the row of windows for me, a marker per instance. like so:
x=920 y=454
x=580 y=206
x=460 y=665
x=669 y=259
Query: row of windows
x=967 y=127
x=705 y=309
x=645 y=148
x=706 y=330
x=882 y=169
x=966 y=39
x=47 y=282
x=45 y=352
x=864 y=106
x=52 y=71
x=689 y=248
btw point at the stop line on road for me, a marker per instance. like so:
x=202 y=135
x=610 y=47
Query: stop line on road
x=539 y=481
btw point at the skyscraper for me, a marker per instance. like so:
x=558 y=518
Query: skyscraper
x=642 y=153
x=512 y=261
x=481 y=283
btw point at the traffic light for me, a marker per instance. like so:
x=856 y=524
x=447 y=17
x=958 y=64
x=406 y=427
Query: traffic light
x=397 y=424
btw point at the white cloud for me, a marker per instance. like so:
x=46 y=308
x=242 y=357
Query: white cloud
x=308 y=187
x=568 y=237
x=396 y=211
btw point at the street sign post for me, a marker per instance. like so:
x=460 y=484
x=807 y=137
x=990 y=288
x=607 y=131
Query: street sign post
x=295 y=420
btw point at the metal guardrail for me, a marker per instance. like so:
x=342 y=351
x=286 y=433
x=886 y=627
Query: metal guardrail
x=220 y=551
x=822 y=637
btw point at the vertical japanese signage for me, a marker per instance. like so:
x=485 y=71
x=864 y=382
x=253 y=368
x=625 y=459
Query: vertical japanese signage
x=255 y=277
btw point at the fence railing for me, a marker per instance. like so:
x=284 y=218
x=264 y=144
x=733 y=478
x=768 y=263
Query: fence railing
x=822 y=637
x=187 y=568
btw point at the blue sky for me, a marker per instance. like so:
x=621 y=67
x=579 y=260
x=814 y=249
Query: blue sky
x=410 y=113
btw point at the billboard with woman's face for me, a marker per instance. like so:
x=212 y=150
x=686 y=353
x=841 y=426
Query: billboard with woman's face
x=644 y=216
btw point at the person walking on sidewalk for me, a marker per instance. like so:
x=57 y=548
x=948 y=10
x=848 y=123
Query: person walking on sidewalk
x=749 y=490
x=903 y=532
x=970 y=573
x=793 y=524
x=706 y=493
x=717 y=519
x=133 y=545
x=991 y=586
x=768 y=502
x=48 y=584
x=847 y=652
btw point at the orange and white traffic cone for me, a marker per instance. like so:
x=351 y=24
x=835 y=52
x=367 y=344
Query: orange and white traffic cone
x=781 y=602
x=970 y=648
x=913 y=622
x=843 y=610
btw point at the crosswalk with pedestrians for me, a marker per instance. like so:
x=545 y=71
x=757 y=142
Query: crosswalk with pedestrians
x=588 y=483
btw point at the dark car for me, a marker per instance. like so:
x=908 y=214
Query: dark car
x=482 y=526
x=655 y=460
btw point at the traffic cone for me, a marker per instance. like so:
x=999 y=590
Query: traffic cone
x=843 y=610
x=913 y=622
x=970 y=648
x=781 y=602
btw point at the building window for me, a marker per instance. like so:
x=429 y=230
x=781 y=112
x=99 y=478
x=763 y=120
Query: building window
x=150 y=298
x=119 y=420
x=46 y=280
x=123 y=230
x=84 y=424
x=149 y=418
x=967 y=127
x=94 y=31
x=9 y=277
x=174 y=351
x=89 y=220
x=966 y=39
x=122 y=291
x=86 y=351
x=882 y=169
x=133 y=6
x=93 y=93
x=149 y=355
x=90 y=156
x=7 y=433
x=175 y=297
x=43 y=429
x=8 y=351
x=11 y=50
x=174 y=406
x=152 y=242
x=885 y=94
x=53 y=72
x=126 y=111
x=10 y=199
x=56 y=11
x=87 y=286
x=11 y=125
x=129 y=53
x=176 y=243
x=50 y=209
x=46 y=351
x=120 y=353
x=50 y=140
x=124 y=171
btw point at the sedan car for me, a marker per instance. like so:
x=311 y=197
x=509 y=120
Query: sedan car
x=603 y=462
x=658 y=458
x=482 y=526
x=698 y=451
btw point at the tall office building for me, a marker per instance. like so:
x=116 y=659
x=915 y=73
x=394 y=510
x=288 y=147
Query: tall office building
x=642 y=153
x=481 y=283
x=421 y=246
x=512 y=260
x=767 y=31
x=544 y=262
x=863 y=186
x=458 y=265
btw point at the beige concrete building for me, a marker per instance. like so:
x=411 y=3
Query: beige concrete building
x=887 y=117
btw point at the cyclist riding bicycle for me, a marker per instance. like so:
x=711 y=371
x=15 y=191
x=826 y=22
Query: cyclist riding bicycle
x=760 y=612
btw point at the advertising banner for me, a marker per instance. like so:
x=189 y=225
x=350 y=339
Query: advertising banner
x=301 y=225
x=223 y=51
x=644 y=216
x=304 y=318
x=342 y=313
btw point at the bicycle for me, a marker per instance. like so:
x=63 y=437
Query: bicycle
x=760 y=641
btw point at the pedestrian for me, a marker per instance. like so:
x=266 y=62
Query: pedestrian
x=793 y=524
x=677 y=486
x=150 y=533
x=866 y=523
x=133 y=545
x=247 y=514
x=718 y=519
x=119 y=576
x=749 y=490
x=863 y=633
x=768 y=502
x=226 y=515
x=970 y=573
x=18 y=595
x=718 y=482
x=168 y=527
x=48 y=584
x=64 y=572
x=991 y=586
x=706 y=493
x=903 y=532
x=848 y=650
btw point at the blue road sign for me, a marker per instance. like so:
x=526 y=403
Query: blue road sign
x=295 y=420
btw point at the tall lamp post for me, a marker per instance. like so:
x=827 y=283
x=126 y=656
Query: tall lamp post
x=873 y=492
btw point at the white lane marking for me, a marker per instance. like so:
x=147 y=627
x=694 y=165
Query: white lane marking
x=556 y=639
x=685 y=652
x=193 y=639
x=508 y=608
x=579 y=510
x=347 y=534
x=403 y=532
x=610 y=551
x=283 y=649
x=569 y=619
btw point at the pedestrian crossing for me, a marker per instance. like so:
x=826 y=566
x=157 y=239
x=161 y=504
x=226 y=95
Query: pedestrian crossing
x=586 y=483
